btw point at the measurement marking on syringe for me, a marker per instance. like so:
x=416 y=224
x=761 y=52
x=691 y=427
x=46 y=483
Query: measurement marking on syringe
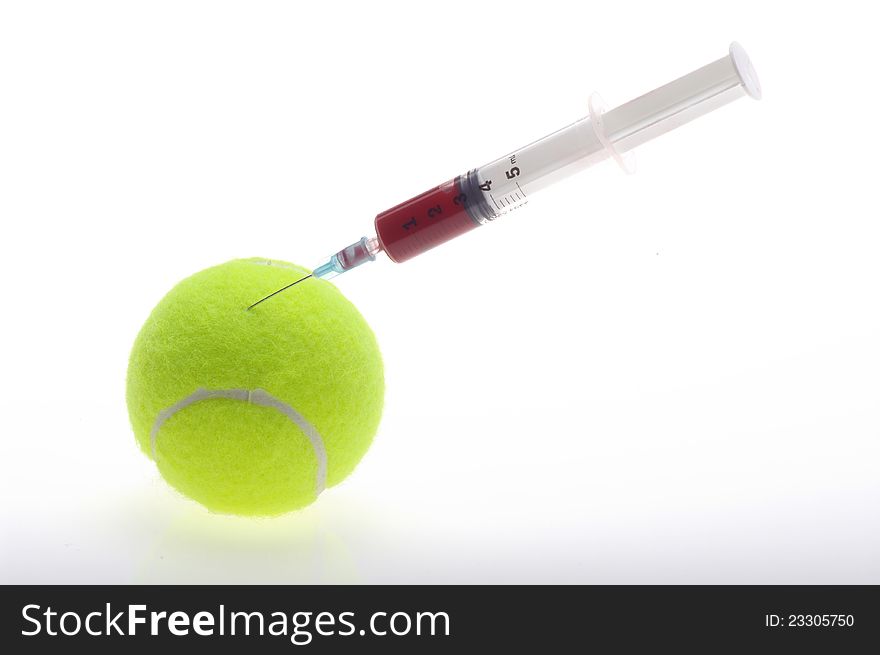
x=494 y=202
x=520 y=189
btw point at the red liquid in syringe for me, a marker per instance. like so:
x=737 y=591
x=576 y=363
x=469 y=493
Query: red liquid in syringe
x=426 y=221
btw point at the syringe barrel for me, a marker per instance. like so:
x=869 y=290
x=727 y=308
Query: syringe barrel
x=485 y=193
x=427 y=220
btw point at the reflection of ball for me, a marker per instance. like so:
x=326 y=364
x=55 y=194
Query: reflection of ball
x=254 y=411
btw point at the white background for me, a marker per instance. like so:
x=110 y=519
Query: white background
x=666 y=377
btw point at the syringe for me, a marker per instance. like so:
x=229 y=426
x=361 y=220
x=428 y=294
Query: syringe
x=486 y=193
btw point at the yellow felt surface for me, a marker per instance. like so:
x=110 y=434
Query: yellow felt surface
x=309 y=347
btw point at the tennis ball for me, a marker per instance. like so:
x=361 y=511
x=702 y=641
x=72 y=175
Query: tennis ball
x=254 y=412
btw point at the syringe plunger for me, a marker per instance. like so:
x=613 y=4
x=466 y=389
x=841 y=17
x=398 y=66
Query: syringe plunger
x=682 y=100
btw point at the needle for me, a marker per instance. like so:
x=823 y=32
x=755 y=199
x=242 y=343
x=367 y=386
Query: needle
x=279 y=291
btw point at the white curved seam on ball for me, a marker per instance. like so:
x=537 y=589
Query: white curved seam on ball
x=255 y=397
